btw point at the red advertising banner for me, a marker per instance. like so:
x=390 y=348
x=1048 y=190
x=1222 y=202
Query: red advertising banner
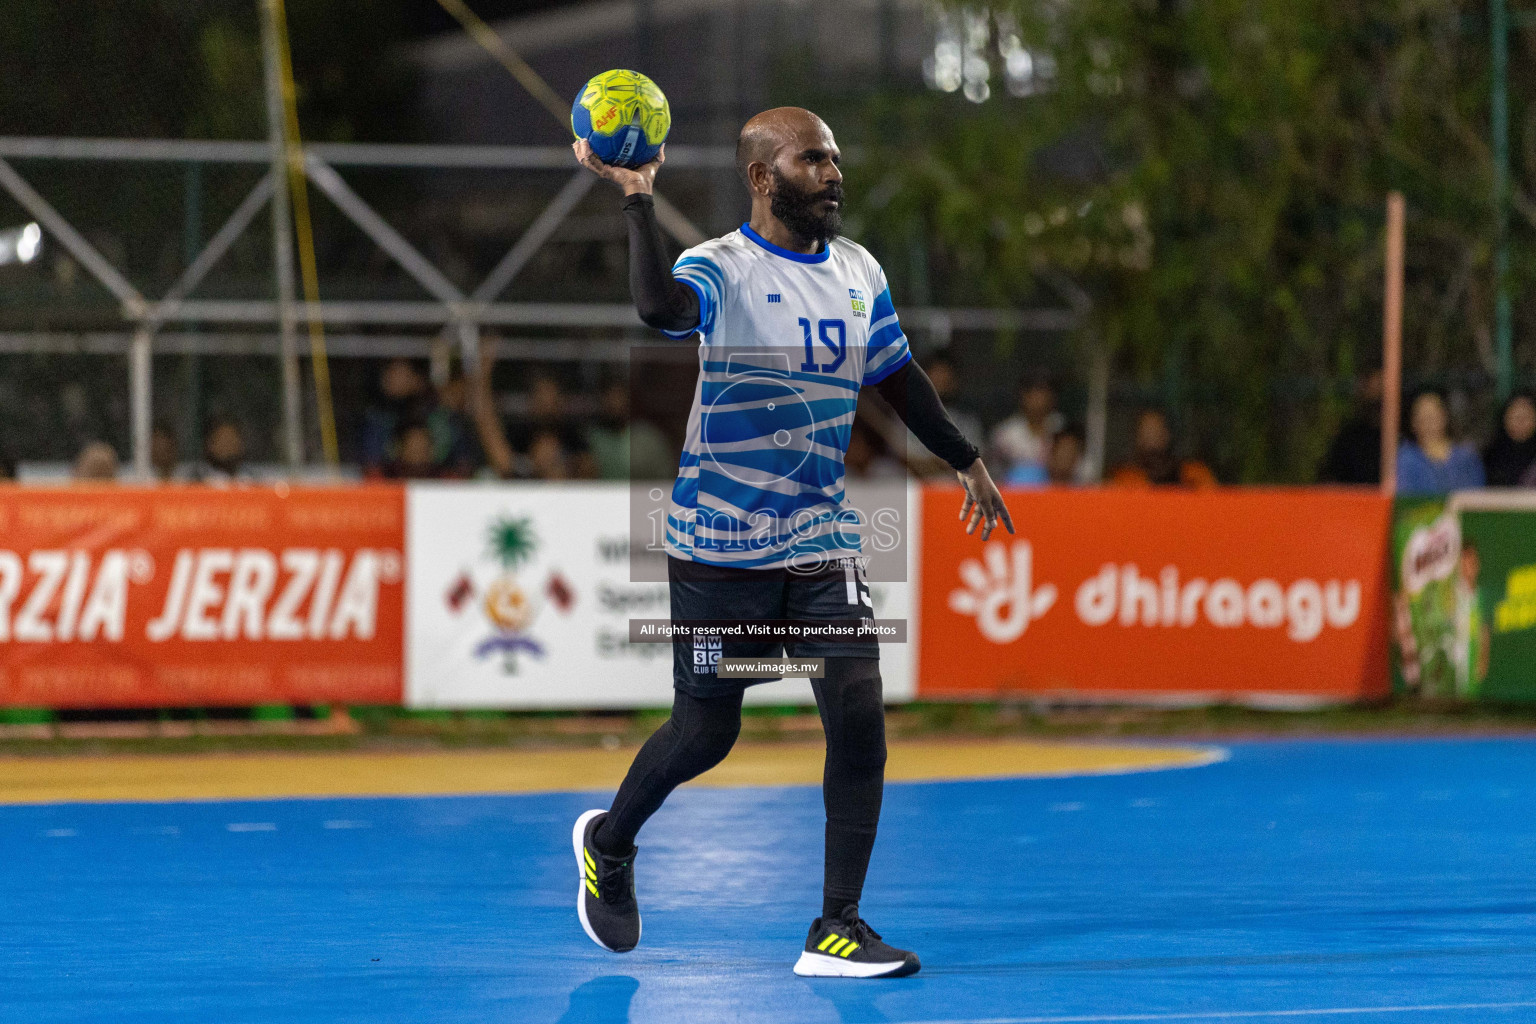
x=130 y=597
x=1146 y=595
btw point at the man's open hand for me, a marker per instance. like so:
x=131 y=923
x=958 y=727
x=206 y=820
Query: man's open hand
x=983 y=503
x=630 y=179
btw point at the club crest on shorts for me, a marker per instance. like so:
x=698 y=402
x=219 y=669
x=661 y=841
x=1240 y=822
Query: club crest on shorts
x=706 y=653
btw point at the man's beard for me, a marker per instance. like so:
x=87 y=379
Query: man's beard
x=796 y=208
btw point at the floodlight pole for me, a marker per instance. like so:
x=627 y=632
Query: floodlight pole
x=282 y=235
x=1392 y=341
x=140 y=381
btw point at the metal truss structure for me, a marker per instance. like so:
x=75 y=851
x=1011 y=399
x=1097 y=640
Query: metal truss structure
x=449 y=309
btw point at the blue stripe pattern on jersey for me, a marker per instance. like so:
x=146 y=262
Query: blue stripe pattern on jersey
x=761 y=478
x=742 y=499
x=887 y=351
x=708 y=282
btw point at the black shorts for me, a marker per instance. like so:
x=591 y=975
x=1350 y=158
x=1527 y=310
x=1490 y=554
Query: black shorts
x=701 y=591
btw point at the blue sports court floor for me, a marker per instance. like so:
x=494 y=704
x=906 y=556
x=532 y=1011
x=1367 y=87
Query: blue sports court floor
x=1337 y=881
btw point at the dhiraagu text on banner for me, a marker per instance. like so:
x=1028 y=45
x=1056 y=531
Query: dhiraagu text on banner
x=1262 y=596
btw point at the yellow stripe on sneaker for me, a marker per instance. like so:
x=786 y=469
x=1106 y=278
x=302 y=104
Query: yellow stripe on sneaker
x=590 y=862
x=593 y=890
x=851 y=947
x=592 y=874
x=839 y=944
x=822 y=948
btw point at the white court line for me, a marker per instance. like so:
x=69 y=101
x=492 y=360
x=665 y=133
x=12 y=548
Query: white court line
x=1332 y=1011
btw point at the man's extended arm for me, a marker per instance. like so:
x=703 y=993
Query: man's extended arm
x=912 y=395
x=663 y=301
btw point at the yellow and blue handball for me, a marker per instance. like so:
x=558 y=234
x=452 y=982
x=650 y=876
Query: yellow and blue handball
x=623 y=116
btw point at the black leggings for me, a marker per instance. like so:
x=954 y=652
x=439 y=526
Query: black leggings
x=702 y=731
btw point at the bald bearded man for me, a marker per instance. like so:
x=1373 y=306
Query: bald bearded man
x=793 y=320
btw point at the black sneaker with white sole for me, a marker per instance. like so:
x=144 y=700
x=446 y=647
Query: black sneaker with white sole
x=846 y=947
x=605 y=900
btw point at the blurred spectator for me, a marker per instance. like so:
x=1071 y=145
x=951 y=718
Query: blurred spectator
x=223 y=453
x=1153 y=462
x=1512 y=454
x=1428 y=461
x=454 y=451
x=869 y=458
x=1064 y=465
x=1020 y=443
x=624 y=448
x=547 y=457
x=1354 y=457
x=945 y=374
x=546 y=401
x=551 y=449
x=549 y=413
x=414 y=456
x=164 y=453
x=96 y=463
x=404 y=394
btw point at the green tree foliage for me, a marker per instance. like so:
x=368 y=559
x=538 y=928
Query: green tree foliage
x=1214 y=173
x=182 y=69
x=192 y=68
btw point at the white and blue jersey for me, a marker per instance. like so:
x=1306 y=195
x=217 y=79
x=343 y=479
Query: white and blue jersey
x=787 y=341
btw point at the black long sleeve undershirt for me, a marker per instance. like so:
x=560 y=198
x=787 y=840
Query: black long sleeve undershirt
x=912 y=395
x=663 y=301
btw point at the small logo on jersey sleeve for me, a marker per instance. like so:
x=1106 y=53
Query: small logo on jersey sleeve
x=774 y=297
x=856 y=300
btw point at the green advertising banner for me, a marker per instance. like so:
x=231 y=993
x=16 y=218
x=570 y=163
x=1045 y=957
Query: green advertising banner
x=1498 y=547
x=1464 y=596
x=1428 y=656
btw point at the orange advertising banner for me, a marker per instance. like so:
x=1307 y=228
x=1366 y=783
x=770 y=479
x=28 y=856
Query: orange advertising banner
x=1153 y=595
x=188 y=597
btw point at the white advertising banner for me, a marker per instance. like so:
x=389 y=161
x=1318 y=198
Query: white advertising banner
x=519 y=596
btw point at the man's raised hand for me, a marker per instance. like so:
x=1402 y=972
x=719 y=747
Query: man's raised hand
x=983 y=503
x=640 y=179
